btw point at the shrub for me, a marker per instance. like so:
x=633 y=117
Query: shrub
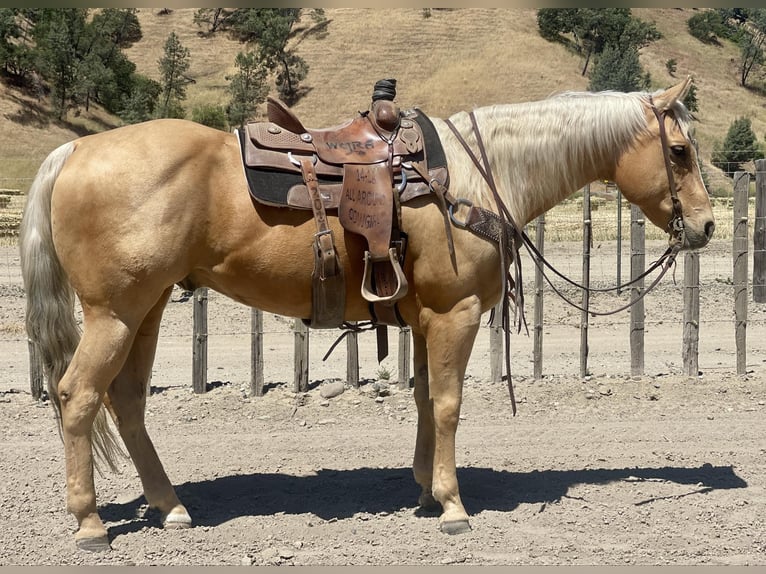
x=210 y=115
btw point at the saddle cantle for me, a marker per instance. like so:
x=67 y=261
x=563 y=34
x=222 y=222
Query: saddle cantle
x=363 y=169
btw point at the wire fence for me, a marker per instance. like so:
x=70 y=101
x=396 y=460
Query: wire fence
x=230 y=328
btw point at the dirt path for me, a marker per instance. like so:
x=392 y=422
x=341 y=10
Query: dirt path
x=613 y=469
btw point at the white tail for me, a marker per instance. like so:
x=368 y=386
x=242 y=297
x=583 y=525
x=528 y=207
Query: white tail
x=50 y=320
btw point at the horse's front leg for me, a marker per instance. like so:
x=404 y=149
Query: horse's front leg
x=449 y=338
x=423 y=463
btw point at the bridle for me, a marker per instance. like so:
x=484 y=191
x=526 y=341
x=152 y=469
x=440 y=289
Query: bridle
x=515 y=235
x=664 y=262
x=676 y=225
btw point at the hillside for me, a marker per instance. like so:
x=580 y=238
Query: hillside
x=454 y=60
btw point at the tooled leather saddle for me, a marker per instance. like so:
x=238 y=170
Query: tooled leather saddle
x=362 y=171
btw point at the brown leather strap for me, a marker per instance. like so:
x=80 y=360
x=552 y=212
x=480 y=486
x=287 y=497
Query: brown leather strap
x=328 y=281
x=487 y=224
x=324 y=238
x=443 y=196
x=676 y=225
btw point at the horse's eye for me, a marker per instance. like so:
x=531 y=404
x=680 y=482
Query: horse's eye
x=678 y=150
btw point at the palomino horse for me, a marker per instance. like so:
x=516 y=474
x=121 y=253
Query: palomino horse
x=120 y=217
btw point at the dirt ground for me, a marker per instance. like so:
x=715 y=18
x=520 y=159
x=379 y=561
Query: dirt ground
x=609 y=469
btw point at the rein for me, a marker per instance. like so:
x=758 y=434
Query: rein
x=511 y=235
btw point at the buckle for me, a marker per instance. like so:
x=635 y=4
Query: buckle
x=460 y=201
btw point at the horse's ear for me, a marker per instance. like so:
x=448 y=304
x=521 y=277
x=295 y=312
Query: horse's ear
x=664 y=100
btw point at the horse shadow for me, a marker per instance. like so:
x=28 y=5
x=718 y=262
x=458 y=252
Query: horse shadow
x=339 y=494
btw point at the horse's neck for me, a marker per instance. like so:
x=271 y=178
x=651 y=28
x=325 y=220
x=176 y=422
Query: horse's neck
x=543 y=152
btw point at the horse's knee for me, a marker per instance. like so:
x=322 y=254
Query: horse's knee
x=447 y=411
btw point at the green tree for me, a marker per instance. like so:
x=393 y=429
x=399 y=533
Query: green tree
x=618 y=70
x=739 y=146
x=212 y=19
x=247 y=87
x=117 y=27
x=173 y=65
x=77 y=55
x=271 y=29
x=708 y=27
x=751 y=43
x=59 y=33
x=593 y=29
x=105 y=72
x=139 y=104
x=751 y=51
x=553 y=23
x=14 y=57
x=92 y=76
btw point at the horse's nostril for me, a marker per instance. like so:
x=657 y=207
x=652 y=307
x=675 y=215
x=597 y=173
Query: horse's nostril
x=709 y=229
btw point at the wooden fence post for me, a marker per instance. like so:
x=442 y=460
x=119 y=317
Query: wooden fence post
x=352 y=359
x=537 y=349
x=637 y=263
x=404 y=357
x=199 y=350
x=690 y=352
x=759 y=233
x=740 y=271
x=36 y=378
x=256 y=352
x=301 y=378
x=586 y=241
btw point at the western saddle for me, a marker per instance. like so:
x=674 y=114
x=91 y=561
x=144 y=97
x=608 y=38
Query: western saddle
x=363 y=169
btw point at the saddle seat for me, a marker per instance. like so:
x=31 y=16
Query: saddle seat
x=364 y=169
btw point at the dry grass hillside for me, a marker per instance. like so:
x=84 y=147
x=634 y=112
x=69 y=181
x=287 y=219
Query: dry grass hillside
x=454 y=60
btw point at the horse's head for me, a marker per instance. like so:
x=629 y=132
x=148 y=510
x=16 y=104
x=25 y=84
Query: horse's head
x=661 y=174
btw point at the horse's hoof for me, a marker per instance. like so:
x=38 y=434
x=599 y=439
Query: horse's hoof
x=455 y=526
x=94 y=544
x=176 y=520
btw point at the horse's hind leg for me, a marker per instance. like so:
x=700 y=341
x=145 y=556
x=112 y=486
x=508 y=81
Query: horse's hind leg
x=99 y=357
x=126 y=400
x=449 y=339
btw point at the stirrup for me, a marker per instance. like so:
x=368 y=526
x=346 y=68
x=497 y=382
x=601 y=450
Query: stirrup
x=401 y=281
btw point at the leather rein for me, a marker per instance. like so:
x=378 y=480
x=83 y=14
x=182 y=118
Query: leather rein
x=512 y=236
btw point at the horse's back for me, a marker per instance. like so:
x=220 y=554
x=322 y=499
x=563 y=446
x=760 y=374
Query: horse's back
x=134 y=200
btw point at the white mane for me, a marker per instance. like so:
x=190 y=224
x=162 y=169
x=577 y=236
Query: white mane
x=543 y=151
